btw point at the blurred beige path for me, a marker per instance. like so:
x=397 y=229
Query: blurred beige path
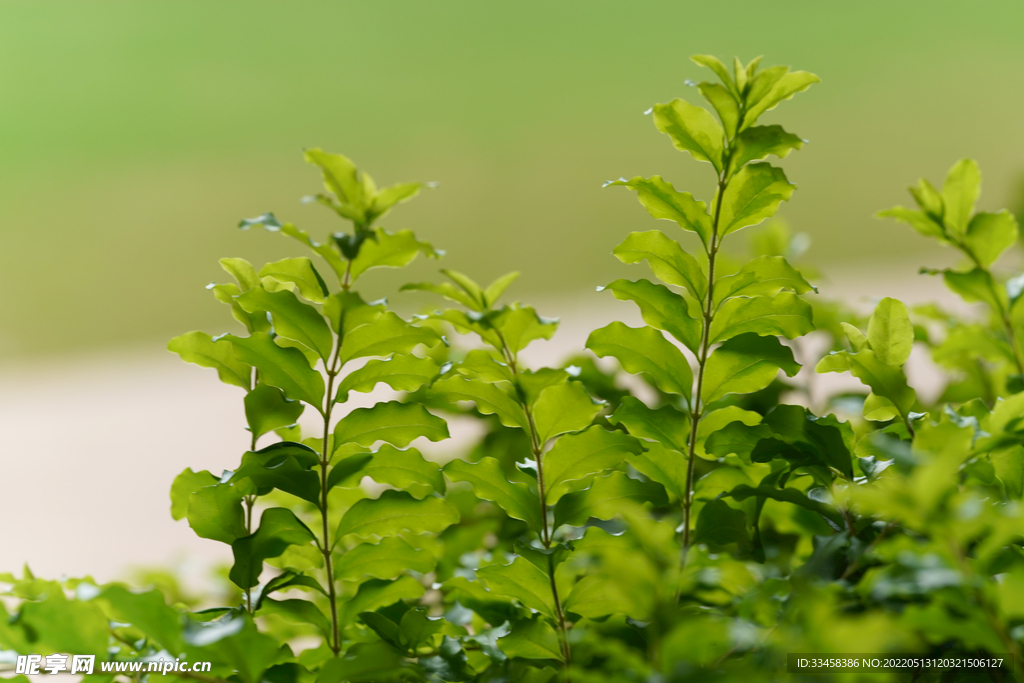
x=89 y=447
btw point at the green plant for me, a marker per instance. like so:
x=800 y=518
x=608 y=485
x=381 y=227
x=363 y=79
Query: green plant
x=696 y=521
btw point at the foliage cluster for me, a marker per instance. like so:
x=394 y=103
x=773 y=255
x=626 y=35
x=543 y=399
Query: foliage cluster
x=694 y=521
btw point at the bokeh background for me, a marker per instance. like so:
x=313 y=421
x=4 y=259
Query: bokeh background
x=135 y=135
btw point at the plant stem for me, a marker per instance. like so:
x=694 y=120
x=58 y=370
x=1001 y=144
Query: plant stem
x=696 y=407
x=1004 y=315
x=537 y=450
x=325 y=460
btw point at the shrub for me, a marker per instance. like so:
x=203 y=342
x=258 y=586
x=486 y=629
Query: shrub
x=704 y=519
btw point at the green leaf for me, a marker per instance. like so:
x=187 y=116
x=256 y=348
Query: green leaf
x=762 y=276
x=718 y=418
x=664 y=465
x=535 y=639
x=959 y=195
x=716 y=65
x=489 y=483
x=490 y=398
x=597 y=596
x=745 y=364
x=375 y=593
x=242 y=271
x=784 y=314
x=347 y=312
x=346 y=468
x=406 y=470
x=450 y=663
x=918 y=220
x=724 y=102
x=148 y=612
x=718 y=525
x=341 y=178
x=395 y=512
x=563 y=408
x=297 y=611
x=858 y=340
x=199 y=348
x=498 y=287
x=388 y=559
x=736 y=438
x=267 y=409
x=663 y=202
x=667 y=260
x=389 y=250
x=533 y=383
x=271 y=224
x=976 y=285
x=226 y=293
x=389 y=197
x=890 y=333
x=386 y=335
x=781 y=89
x=301 y=273
x=644 y=350
x=578 y=456
x=481 y=364
x=61 y=625
x=393 y=422
x=692 y=129
x=605 y=497
x=788 y=495
x=215 y=512
x=661 y=308
x=753 y=195
x=286 y=369
x=823 y=440
x=374 y=662
x=665 y=424
x=990 y=234
x=523 y=581
x=756 y=143
x=270 y=471
x=184 y=485
x=279 y=528
x=883 y=379
x=447 y=290
x=521 y=325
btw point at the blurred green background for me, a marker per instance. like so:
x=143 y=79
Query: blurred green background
x=135 y=135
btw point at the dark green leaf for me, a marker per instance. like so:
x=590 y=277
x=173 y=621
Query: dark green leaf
x=534 y=639
x=718 y=525
x=279 y=528
x=215 y=512
x=788 y=495
x=267 y=409
x=286 y=369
